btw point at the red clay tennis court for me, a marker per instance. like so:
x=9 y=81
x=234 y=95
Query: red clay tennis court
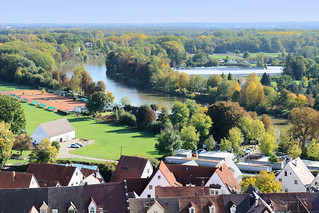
x=46 y=100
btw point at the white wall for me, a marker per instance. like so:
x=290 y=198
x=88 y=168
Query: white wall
x=65 y=137
x=148 y=170
x=215 y=179
x=316 y=180
x=39 y=134
x=34 y=183
x=89 y=180
x=76 y=179
x=287 y=182
x=154 y=182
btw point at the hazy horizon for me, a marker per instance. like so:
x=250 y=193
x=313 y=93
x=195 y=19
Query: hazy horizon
x=158 y=12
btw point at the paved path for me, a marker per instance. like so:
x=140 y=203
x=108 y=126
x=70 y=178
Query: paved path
x=65 y=149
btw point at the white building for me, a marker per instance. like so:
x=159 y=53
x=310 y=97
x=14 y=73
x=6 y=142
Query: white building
x=162 y=177
x=59 y=130
x=295 y=177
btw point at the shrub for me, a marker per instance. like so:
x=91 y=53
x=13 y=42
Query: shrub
x=126 y=118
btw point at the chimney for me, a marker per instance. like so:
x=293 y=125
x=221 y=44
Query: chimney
x=13 y=176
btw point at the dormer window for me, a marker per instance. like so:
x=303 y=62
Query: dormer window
x=92 y=206
x=192 y=209
x=44 y=208
x=92 y=210
x=71 y=208
x=212 y=209
x=233 y=209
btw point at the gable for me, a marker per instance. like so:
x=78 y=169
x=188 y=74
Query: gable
x=156 y=207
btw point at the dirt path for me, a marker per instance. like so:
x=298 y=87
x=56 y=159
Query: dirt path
x=65 y=149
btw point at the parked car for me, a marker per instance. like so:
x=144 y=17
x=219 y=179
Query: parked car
x=73 y=145
x=247 y=151
x=80 y=145
x=200 y=150
x=194 y=154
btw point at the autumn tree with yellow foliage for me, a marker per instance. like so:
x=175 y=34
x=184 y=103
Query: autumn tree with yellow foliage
x=265 y=182
x=253 y=92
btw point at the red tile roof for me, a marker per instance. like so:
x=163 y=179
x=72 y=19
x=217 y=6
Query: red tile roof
x=52 y=172
x=128 y=167
x=195 y=175
x=228 y=178
x=168 y=175
x=13 y=180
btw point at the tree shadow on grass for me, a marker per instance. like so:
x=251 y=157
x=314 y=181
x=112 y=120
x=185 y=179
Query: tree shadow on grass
x=152 y=152
x=129 y=130
x=79 y=119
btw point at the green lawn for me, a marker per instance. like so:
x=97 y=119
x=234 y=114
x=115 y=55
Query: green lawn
x=266 y=54
x=79 y=160
x=223 y=56
x=109 y=138
x=4 y=86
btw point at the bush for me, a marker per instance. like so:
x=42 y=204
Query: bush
x=126 y=118
x=57 y=145
x=273 y=158
x=106 y=169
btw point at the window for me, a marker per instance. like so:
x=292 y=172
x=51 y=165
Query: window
x=100 y=210
x=76 y=174
x=216 y=192
x=285 y=173
x=148 y=196
x=43 y=211
x=54 y=211
x=223 y=192
x=155 y=212
x=92 y=210
x=212 y=209
x=280 y=179
x=192 y=209
x=150 y=187
x=71 y=211
x=159 y=177
x=295 y=181
x=316 y=183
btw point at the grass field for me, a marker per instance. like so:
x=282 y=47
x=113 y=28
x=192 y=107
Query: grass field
x=108 y=137
x=4 y=86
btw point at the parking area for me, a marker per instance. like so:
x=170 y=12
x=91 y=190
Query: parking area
x=66 y=147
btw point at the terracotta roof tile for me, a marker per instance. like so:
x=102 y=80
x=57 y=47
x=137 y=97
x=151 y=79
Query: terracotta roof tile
x=168 y=175
x=52 y=172
x=128 y=167
x=228 y=178
x=11 y=180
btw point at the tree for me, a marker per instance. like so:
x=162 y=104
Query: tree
x=6 y=142
x=230 y=77
x=57 y=145
x=45 y=152
x=180 y=113
x=202 y=123
x=192 y=106
x=214 y=80
x=210 y=143
x=268 y=144
x=125 y=101
x=86 y=80
x=224 y=115
x=260 y=57
x=225 y=145
x=106 y=169
x=265 y=182
x=246 y=55
x=140 y=116
x=251 y=128
x=97 y=102
x=11 y=112
x=252 y=92
x=235 y=88
x=168 y=141
x=266 y=119
x=236 y=138
x=189 y=137
x=149 y=117
x=100 y=86
x=294 y=149
x=265 y=79
x=110 y=96
x=182 y=81
x=154 y=107
x=22 y=143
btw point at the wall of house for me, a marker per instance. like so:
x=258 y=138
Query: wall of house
x=148 y=170
x=215 y=179
x=65 y=137
x=154 y=182
x=315 y=182
x=34 y=183
x=155 y=208
x=38 y=135
x=90 y=180
x=288 y=183
x=76 y=179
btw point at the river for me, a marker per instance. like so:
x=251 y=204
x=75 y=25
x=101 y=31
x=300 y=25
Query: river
x=97 y=69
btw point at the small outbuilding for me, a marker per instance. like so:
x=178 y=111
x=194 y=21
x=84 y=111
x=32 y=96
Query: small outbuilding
x=58 y=130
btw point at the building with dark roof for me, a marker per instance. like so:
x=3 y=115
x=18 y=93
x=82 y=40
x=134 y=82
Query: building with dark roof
x=65 y=175
x=58 y=130
x=132 y=167
x=15 y=180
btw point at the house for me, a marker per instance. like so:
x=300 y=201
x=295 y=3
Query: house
x=151 y=205
x=185 y=191
x=57 y=130
x=260 y=206
x=224 y=181
x=295 y=177
x=183 y=153
x=88 y=44
x=91 y=176
x=65 y=175
x=132 y=167
x=162 y=177
x=14 y=180
x=205 y=204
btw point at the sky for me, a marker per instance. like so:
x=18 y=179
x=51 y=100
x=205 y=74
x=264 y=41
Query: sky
x=157 y=11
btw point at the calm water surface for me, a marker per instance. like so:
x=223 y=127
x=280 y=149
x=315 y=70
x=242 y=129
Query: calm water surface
x=97 y=70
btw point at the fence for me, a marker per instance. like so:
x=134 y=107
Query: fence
x=43 y=105
x=52 y=108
